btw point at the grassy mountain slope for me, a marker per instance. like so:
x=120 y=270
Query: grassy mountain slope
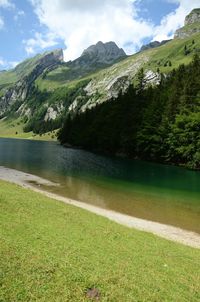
x=150 y=59
x=174 y=51
x=188 y=30
x=58 y=89
x=107 y=82
x=158 y=123
x=8 y=77
x=21 y=70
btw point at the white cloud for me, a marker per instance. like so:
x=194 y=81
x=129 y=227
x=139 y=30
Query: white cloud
x=2 y=62
x=82 y=23
x=39 y=42
x=7 y=65
x=175 y=20
x=13 y=64
x=1 y=23
x=6 y=4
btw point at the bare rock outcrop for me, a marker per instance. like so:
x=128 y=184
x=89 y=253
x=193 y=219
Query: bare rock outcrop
x=20 y=91
x=192 y=25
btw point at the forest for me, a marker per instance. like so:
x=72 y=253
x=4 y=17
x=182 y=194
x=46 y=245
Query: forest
x=156 y=123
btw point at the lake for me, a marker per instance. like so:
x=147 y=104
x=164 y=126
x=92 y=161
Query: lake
x=165 y=194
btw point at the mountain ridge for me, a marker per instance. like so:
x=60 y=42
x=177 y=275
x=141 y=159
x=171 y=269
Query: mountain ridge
x=193 y=17
x=154 y=44
x=44 y=89
x=27 y=76
x=191 y=25
x=104 y=52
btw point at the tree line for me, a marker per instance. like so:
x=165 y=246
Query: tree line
x=160 y=123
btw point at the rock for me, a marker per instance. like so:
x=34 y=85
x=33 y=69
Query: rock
x=114 y=88
x=120 y=84
x=93 y=293
x=192 y=25
x=24 y=110
x=76 y=104
x=51 y=114
x=20 y=91
x=111 y=82
x=193 y=17
x=98 y=56
x=182 y=33
x=104 y=53
x=151 y=78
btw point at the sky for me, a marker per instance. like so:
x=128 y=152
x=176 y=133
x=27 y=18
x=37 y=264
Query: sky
x=28 y=27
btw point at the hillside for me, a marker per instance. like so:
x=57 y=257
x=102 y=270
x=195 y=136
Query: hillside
x=7 y=78
x=159 y=123
x=41 y=95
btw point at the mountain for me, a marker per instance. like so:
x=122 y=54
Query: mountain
x=159 y=123
x=15 y=85
x=157 y=118
x=154 y=44
x=193 y=17
x=94 y=58
x=192 y=25
x=21 y=89
x=41 y=91
x=25 y=74
x=102 y=53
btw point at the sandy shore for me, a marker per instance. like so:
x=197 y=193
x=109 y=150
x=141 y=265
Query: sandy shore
x=166 y=231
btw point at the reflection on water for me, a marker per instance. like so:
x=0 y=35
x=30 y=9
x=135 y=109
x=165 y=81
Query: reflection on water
x=156 y=192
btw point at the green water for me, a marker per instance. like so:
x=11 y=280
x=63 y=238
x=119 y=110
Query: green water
x=156 y=192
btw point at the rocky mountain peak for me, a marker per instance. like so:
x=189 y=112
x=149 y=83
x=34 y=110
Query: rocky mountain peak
x=192 y=25
x=104 y=52
x=51 y=58
x=27 y=72
x=47 y=59
x=193 y=17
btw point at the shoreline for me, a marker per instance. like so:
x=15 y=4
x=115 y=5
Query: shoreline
x=31 y=138
x=168 y=232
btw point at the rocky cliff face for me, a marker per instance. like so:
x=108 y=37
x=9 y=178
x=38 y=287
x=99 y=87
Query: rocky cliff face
x=193 y=17
x=20 y=91
x=100 y=55
x=93 y=58
x=110 y=83
x=192 y=25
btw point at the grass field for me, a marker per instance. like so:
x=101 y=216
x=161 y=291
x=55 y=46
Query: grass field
x=10 y=128
x=51 y=251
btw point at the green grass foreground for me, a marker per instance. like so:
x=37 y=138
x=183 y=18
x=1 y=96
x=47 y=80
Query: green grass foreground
x=51 y=251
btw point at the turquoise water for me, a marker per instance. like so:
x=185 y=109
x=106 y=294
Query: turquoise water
x=160 y=193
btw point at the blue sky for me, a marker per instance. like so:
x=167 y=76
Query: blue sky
x=155 y=10
x=31 y=26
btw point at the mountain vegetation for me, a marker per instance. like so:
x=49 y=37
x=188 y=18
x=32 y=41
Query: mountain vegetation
x=146 y=94
x=160 y=123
